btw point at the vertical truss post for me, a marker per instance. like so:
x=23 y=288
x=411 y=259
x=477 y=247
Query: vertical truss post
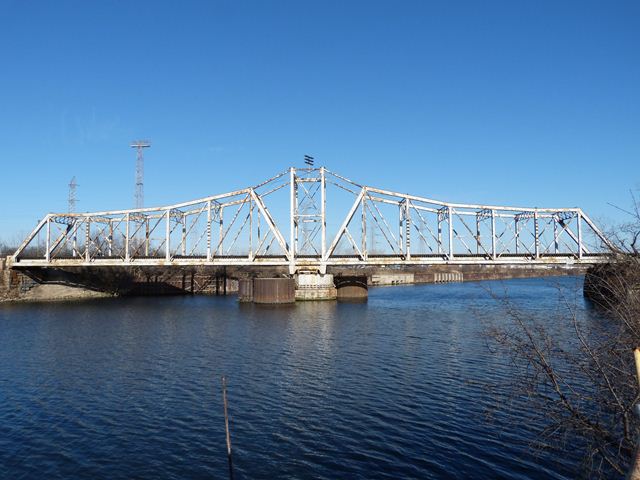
x=258 y=232
x=184 y=234
x=450 y=221
x=400 y=228
x=579 y=217
x=439 y=234
x=209 y=231
x=323 y=208
x=478 y=242
x=167 y=239
x=292 y=213
x=147 y=235
x=407 y=221
x=296 y=215
x=126 y=239
x=110 y=239
x=494 y=247
x=365 y=254
x=555 y=234
x=74 y=247
x=47 y=253
x=220 y=248
x=87 y=250
x=536 y=233
x=250 y=257
x=517 y=235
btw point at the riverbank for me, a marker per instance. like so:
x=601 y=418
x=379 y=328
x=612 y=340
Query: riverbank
x=17 y=287
x=616 y=284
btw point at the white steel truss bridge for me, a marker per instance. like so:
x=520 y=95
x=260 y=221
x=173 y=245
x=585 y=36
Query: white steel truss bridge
x=312 y=218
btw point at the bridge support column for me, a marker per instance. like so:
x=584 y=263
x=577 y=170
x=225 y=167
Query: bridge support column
x=352 y=288
x=313 y=286
x=245 y=290
x=274 y=290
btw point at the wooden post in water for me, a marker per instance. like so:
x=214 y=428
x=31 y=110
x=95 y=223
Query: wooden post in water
x=634 y=471
x=226 y=425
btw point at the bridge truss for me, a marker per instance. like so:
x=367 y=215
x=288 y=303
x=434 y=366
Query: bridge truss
x=311 y=218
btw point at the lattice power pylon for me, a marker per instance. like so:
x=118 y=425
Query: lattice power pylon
x=140 y=145
x=72 y=200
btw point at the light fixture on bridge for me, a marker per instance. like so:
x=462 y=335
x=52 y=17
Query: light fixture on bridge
x=308 y=160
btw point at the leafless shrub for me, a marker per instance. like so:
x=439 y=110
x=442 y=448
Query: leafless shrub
x=583 y=386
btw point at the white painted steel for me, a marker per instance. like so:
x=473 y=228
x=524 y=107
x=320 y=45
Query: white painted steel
x=511 y=245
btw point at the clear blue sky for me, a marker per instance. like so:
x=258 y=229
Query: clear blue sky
x=530 y=103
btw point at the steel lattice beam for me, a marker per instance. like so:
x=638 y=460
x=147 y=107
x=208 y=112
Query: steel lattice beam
x=251 y=232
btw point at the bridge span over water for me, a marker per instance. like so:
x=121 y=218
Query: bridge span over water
x=314 y=219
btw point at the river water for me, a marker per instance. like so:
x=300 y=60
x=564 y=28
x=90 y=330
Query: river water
x=393 y=388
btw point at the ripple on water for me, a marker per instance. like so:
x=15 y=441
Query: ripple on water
x=392 y=388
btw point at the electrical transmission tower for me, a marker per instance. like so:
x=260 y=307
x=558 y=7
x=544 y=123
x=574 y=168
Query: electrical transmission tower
x=140 y=145
x=72 y=195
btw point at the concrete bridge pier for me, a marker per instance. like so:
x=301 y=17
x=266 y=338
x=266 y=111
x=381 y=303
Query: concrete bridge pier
x=352 y=288
x=311 y=285
x=303 y=286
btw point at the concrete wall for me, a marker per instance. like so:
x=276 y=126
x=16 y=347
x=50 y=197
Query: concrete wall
x=313 y=286
x=392 y=279
x=441 y=273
